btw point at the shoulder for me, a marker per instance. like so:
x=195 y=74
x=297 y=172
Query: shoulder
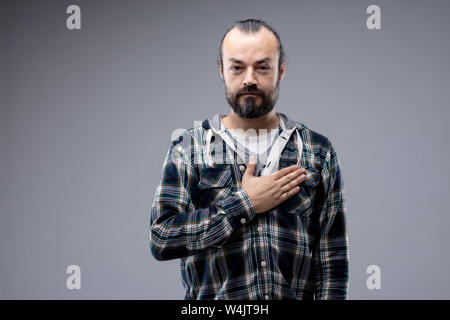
x=186 y=136
x=187 y=143
x=319 y=143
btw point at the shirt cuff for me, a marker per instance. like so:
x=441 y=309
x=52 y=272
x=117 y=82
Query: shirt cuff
x=238 y=208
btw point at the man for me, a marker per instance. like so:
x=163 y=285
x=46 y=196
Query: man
x=253 y=203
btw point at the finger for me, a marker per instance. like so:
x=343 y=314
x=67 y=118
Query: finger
x=252 y=160
x=282 y=172
x=251 y=165
x=291 y=176
x=290 y=193
x=250 y=170
x=293 y=191
x=293 y=183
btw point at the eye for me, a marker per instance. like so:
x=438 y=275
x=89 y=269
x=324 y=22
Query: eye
x=264 y=68
x=235 y=68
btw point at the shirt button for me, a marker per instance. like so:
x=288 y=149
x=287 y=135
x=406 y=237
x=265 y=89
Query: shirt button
x=242 y=167
x=243 y=220
x=263 y=263
x=267 y=297
x=259 y=228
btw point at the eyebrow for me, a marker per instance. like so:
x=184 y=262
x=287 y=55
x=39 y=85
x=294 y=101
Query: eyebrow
x=266 y=59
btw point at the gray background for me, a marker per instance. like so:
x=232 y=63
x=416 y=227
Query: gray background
x=86 y=118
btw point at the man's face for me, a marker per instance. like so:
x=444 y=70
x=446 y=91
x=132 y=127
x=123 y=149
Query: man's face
x=250 y=72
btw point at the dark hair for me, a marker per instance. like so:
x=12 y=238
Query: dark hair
x=251 y=26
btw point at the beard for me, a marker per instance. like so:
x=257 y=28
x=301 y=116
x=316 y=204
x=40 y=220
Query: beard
x=249 y=109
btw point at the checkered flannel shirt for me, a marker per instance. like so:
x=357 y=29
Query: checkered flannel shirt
x=201 y=215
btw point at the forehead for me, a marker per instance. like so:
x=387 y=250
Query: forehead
x=250 y=47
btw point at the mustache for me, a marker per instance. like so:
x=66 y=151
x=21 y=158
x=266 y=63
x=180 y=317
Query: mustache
x=254 y=91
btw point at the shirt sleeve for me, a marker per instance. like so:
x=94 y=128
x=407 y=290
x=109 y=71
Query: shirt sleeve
x=330 y=256
x=177 y=228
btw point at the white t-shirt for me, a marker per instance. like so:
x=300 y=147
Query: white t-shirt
x=256 y=143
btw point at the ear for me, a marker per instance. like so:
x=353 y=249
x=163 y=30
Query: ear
x=282 y=71
x=220 y=71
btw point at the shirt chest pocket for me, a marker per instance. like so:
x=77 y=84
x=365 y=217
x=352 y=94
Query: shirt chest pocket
x=302 y=202
x=215 y=183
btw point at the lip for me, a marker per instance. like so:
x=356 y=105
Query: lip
x=250 y=94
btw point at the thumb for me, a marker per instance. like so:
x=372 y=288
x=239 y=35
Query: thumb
x=251 y=165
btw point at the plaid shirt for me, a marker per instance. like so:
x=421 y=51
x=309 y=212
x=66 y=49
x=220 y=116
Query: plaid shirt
x=200 y=214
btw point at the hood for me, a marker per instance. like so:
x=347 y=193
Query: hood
x=216 y=133
x=215 y=123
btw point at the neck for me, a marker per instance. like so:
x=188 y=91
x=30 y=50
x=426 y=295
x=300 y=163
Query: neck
x=268 y=122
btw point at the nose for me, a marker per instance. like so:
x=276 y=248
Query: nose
x=249 y=77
